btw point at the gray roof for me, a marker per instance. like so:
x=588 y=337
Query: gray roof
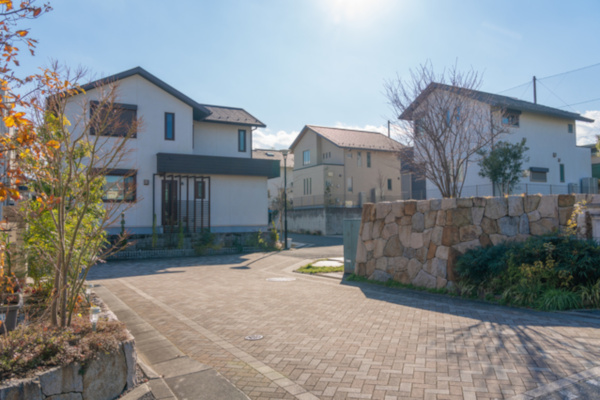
x=273 y=155
x=352 y=138
x=202 y=112
x=231 y=115
x=495 y=100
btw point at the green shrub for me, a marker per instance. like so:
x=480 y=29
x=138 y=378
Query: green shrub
x=482 y=264
x=558 y=300
x=531 y=272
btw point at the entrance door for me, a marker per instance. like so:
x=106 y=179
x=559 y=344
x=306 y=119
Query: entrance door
x=169 y=202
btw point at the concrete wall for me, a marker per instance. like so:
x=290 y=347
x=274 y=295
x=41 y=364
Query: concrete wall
x=418 y=242
x=327 y=221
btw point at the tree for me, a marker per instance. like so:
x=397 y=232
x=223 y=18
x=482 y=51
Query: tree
x=445 y=121
x=68 y=219
x=278 y=206
x=16 y=90
x=502 y=164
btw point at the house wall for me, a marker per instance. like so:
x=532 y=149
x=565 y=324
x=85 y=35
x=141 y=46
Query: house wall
x=384 y=166
x=308 y=142
x=545 y=136
x=236 y=202
x=211 y=139
x=152 y=103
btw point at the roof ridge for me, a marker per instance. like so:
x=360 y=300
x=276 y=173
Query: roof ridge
x=347 y=129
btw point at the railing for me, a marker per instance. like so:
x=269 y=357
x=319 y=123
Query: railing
x=350 y=199
x=521 y=188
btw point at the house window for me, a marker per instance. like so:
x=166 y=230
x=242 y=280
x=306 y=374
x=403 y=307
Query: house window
x=389 y=184
x=349 y=184
x=368 y=160
x=359 y=159
x=120 y=186
x=241 y=140
x=306 y=157
x=169 y=126
x=562 y=172
x=538 y=174
x=307 y=186
x=511 y=118
x=199 y=190
x=113 y=120
x=570 y=128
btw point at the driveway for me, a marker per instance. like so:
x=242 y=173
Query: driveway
x=328 y=339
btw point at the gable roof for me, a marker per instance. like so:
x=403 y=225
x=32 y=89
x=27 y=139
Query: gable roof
x=494 y=100
x=352 y=138
x=202 y=112
x=263 y=154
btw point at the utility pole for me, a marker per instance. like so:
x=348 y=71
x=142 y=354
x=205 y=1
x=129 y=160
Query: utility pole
x=534 y=90
x=389 y=128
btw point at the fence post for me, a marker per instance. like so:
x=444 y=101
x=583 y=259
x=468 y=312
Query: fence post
x=550 y=189
x=476 y=190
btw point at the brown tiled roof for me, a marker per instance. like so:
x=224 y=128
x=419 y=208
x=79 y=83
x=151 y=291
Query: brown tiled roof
x=273 y=155
x=354 y=139
x=231 y=115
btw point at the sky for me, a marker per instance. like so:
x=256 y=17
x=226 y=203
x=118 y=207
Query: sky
x=292 y=63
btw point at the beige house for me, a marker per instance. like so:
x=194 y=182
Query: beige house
x=345 y=168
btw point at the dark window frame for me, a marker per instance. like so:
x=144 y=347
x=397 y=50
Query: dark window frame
x=389 y=184
x=167 y=126
x=242 y=141
x=94 y=105
x=570 y=128
x=511 y=118
x=124 y=174
x=535 y=174
x=562 y=172
x=368 y=159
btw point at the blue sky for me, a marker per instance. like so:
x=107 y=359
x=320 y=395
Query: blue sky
x=324 y=62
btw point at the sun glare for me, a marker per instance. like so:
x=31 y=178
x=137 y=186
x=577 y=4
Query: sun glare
x=342 y=11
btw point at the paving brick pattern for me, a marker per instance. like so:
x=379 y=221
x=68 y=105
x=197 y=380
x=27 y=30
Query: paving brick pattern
x=331 y=340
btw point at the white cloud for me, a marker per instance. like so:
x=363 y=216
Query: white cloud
x=587 y=132
x=265 y=139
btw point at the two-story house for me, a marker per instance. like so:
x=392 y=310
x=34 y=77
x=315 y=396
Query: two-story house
x=555 y=164
x=345 y=167
x=191 y=164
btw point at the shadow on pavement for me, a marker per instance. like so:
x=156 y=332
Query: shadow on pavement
x=535 y=332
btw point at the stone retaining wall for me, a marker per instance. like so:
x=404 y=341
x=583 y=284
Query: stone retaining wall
x=418 y=242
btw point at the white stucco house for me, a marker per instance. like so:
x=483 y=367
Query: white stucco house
x=555 y=165
x=191 y=163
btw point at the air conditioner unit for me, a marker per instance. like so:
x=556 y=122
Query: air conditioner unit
x=589 y=185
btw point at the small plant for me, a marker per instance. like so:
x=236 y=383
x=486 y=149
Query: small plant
x=558 y=300
x=310 y=269
x=180 y=237
x=273 y=234
x=205 y=242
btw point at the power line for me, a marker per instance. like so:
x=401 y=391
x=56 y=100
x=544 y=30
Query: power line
x=583 y=102
x=571 y=71
x=555 y=95
x=555 y=75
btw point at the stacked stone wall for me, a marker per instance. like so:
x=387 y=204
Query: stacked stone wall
x=418 y=242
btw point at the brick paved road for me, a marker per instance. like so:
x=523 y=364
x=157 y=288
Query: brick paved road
x=330 y=340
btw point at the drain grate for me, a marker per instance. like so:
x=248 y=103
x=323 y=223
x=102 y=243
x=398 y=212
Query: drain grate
x=254 y=337
x=281 y=279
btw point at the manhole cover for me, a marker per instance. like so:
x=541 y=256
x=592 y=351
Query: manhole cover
x=281 y=279
x=254 y=337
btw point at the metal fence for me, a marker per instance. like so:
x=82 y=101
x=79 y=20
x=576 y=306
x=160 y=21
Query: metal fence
x=521 y=188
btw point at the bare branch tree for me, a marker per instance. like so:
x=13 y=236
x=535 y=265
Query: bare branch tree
x=446 y=122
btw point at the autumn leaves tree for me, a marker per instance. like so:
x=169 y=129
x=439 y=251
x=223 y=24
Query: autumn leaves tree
x=86 y=139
